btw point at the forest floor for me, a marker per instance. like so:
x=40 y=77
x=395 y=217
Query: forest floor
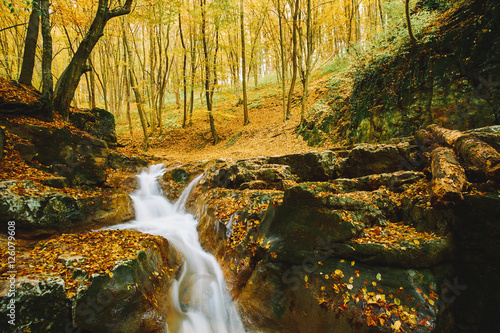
x=267 y=134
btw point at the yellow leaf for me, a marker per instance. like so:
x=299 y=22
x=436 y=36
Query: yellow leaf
x=396 y=326
x=110 y=274
x=306 y=278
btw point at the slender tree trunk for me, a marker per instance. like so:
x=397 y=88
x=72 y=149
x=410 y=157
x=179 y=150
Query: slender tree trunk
x=309 y=51
x=127 y=87
x=129 y=118
x=184 y=85
x=93 y=104
x=382 y=21
x=243 y=65
x=208 y=91
x=294 y=58
x=283 y=65
x=47 y=82
x=193 y=74
x=137 y=93
x=408 y=22
x=153 y=87
x=26 y=75
x=164 y=79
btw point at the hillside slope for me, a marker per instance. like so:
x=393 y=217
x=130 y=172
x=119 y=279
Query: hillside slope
x=450 y=77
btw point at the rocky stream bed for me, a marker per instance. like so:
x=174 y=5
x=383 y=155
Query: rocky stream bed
x=352 y=239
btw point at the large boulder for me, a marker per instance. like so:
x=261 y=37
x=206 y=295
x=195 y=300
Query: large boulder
x=366 y=159
x=43 y=212
x=129 y=298
x=317 y=166
x=327 y=294
x=70 y=291
x=310 y=214
x=97 y=122
x=253 y=174
x=80 y=158
x=122 y=162
x=34 y=305
x=343 y=255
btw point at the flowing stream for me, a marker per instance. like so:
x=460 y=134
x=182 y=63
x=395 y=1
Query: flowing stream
x=199 y=296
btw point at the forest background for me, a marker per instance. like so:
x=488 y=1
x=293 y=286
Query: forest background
x=169 y=63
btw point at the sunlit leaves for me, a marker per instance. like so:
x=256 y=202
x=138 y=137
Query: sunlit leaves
x=89 y=253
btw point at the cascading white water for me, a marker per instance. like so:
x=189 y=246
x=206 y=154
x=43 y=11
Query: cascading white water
x=198 y=296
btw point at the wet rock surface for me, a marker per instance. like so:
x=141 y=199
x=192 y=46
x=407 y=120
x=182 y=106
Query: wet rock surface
x=127 y=297
x=354 y=248
x=97 y=122
x=41 y=212
x=79 y=157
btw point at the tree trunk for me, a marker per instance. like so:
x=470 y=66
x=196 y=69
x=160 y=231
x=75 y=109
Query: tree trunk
x=471 y=149
x=283 y=65
x=243 y=65
x=193 y=74
x=137 y=93
x=26 y=75
x=184 y=84
x=68 y=82
x=294 y=58
x=126 y=83
x=47 y=83
x=382 y=21
x=307 y=73
x=164 y=79
x=448 y=177
x=408 y=22
x=208 y=91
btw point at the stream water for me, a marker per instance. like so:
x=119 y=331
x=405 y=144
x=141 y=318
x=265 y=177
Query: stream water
x=199 y=296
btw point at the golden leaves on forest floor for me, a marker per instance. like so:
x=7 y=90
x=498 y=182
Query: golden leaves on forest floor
x=13 y=167
x=85 y=254
x=57 y=123
x=13 y=92
x=395 y=234
x=266 y=134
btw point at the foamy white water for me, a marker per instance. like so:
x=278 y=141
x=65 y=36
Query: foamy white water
x=199 y=296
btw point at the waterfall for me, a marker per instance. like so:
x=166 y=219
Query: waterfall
x=199 y=296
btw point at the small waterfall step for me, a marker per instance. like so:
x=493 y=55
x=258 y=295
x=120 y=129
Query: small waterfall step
x=199 y=300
